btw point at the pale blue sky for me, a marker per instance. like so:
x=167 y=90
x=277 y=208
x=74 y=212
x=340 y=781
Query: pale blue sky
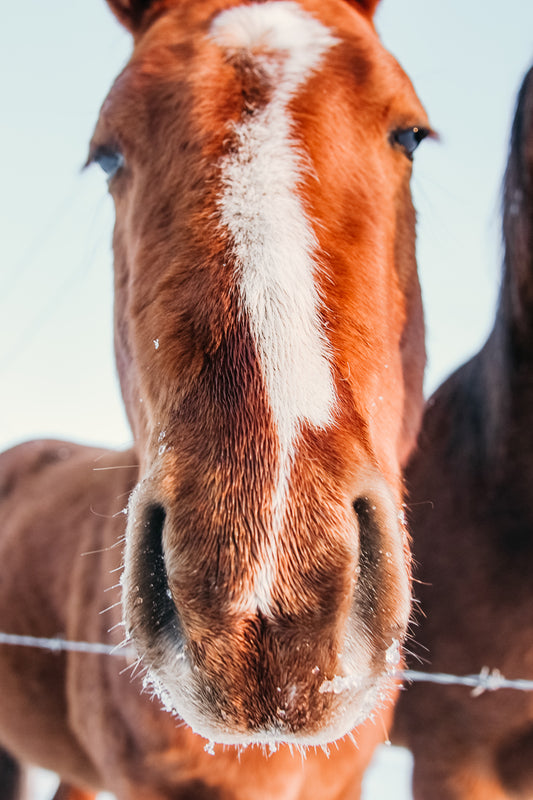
x=57 y=60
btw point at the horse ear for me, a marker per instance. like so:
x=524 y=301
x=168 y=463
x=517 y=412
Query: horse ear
x=130 y=12
x=368 y=7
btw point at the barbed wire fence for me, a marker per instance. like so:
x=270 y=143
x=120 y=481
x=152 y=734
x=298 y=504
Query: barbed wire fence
x=58 y=645
x=486 y=680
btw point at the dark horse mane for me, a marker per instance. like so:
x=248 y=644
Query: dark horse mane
x=516 y=300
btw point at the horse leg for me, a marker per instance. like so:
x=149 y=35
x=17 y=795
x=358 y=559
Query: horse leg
x=12 y=781
x=67 y=792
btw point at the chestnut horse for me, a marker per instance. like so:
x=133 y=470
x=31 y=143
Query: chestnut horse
x=471 y=501
x=269 y=342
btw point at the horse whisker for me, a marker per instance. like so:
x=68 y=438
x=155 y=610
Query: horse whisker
x=114 y=627
x=110 y=588
x=110 y=608
x=123 y=466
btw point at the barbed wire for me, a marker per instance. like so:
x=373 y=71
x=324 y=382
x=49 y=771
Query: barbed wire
x=487 y=680
x=58 y=645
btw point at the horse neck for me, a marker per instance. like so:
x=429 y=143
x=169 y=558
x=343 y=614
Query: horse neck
x=502 y=374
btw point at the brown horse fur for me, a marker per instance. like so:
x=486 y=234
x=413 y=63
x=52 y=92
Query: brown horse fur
x=269 y=342
x=471 y=513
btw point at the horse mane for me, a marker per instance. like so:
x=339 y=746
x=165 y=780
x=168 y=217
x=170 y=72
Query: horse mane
x=516 y=299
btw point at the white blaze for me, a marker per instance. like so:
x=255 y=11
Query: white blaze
x=274 y=243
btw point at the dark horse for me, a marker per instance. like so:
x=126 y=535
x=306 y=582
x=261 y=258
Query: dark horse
x=270 y=346
x=471 y=514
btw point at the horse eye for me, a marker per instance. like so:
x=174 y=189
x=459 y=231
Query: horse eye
x=409 y=139
x=109 y=160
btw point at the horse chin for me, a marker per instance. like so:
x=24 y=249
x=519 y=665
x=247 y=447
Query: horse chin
x=182 y=694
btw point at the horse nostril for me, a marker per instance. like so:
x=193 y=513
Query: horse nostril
x=382 y=594
x=370 y=550
x=151 y=589
x=381 y=568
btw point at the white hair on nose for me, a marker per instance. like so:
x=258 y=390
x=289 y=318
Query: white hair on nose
x=273 y=241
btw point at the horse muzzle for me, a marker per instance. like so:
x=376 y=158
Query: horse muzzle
x=302 y=672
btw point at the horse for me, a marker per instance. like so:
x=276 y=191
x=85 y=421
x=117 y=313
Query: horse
x=471 y=517
x=269 y=341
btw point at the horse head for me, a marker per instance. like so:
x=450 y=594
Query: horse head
x=269 y=342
